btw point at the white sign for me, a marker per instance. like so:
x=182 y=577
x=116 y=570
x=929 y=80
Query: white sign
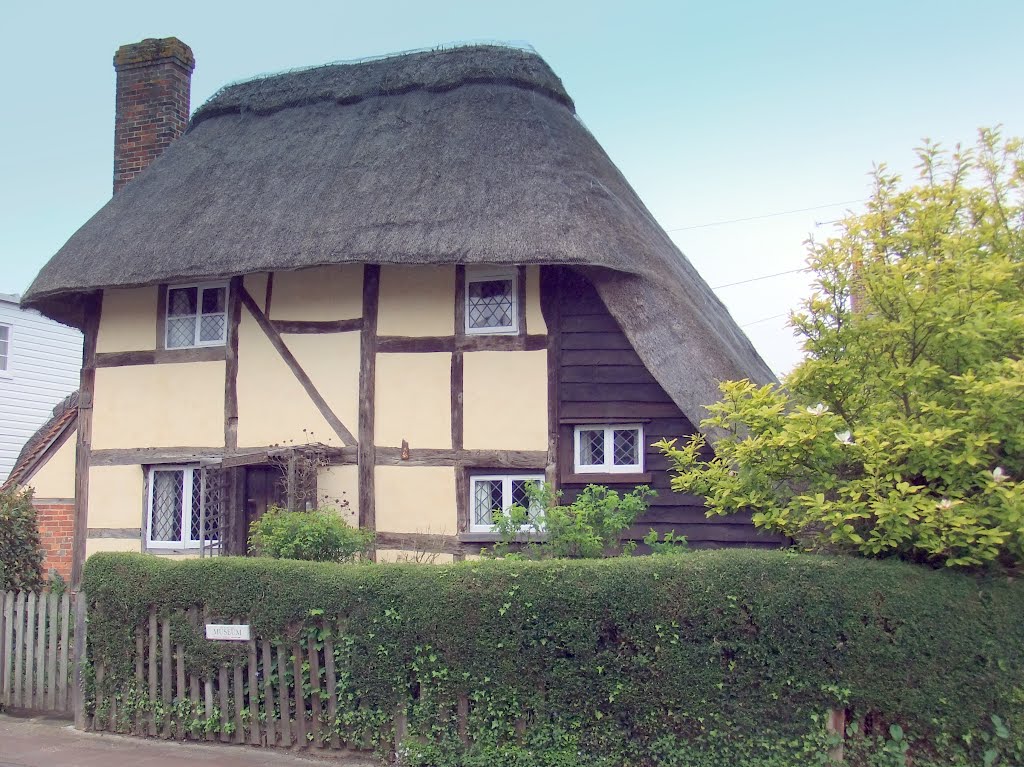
x=229 y=632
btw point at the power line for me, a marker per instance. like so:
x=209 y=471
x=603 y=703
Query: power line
x=763 y=277
x=764 y=319
x=765 y=215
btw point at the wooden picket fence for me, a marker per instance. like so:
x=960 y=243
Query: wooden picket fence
x=270 y=694
x=36 y=656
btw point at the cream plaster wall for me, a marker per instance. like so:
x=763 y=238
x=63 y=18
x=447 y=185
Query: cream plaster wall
x=116 y=496
x=416 y=301
x=414 y=399
x=96 y=545
x=415 y=499
x=331 y=360
x=321 y=293
x=535 y=324
x=336 y=484
x=405 y=555
x=505 y=400
x=128 y=320
x=177 y=404
x=256 y=284
x=273 y=407
x=56 y=477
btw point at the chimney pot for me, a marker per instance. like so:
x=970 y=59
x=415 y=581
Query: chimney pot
x=154 y=79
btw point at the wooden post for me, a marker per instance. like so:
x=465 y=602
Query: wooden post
x=52 y=635
x=90 y=329
x=367 y=456
x=79 y=659
x=39 y=699
x=30 y=623
x=65 y=652
x=97 y=722
x=282 y=693
x=401 y=724
x=836 y=725
x=291 y=491
x=254 y=696
x=300 y=698
x=152 y=670
x=332 y=691
x=314 y=680
x=268 y=692
x=165 y=674
x=140 y=676
x=237 y=688
x=180 y=688
x=463 y=718
x=6 y=643
x=208 y=701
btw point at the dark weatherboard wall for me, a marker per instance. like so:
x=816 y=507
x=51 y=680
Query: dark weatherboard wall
x=601 y=380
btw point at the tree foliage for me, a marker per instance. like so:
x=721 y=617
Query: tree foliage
x=21 y=557
x=902 y=430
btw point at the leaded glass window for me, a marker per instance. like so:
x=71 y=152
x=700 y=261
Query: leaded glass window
x=609 y=449
x=184 y=509
x=491 y=303
x=500 y=491
x=196 y=316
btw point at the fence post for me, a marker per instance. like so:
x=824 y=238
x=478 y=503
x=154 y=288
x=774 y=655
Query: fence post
x=78 y=693
x=836 y=725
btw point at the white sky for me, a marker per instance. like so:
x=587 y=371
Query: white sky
x=714 y=111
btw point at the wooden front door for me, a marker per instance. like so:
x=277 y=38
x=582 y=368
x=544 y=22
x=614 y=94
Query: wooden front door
x=264 y=487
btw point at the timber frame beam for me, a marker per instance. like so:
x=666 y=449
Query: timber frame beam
x=293 y=364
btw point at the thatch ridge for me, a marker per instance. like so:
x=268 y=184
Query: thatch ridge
x=434 y=71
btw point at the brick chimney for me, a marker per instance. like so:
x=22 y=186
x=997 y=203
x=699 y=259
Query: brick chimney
x=154 y=78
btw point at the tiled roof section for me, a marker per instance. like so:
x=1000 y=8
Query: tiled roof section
x=64 y=418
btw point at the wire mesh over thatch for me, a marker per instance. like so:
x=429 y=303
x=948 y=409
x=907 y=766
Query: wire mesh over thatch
x=471 y=155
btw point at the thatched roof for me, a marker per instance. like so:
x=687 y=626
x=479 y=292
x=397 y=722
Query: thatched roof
x=471 y=155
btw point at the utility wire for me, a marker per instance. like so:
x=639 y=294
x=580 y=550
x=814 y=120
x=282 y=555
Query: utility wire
x=765 y=215
x=762 y=277
x=764 y=320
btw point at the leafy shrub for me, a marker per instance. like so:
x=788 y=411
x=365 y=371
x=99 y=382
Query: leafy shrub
x=587 y=528
x=713 y=658
x=320 y=535
x=21 y=557
x=669 y=544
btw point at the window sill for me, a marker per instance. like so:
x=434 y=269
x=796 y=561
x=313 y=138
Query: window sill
x=493 y=536
x=607 y=479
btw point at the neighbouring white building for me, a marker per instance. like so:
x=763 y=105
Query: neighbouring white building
x=39 y=366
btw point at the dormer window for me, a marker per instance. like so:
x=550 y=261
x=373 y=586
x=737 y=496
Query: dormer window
x=196 y=315
x=491 y=301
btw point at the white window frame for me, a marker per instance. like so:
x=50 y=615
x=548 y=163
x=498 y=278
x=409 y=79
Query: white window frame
x=506 y=496
x=609 y=466
x=5 y=370
x=186 y=541
x=200 y=287
x=488 y=275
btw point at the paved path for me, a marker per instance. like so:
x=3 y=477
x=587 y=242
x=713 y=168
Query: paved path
x=54 y=743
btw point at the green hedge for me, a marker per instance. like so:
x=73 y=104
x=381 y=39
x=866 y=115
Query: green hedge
x=704 y=659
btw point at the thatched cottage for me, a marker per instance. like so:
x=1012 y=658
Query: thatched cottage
x=408 y=285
